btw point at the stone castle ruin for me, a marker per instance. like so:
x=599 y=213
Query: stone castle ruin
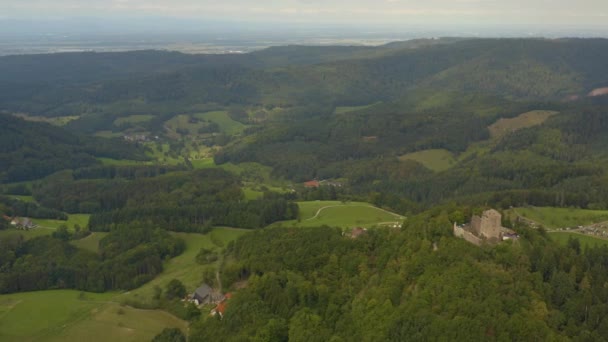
x=485 y=228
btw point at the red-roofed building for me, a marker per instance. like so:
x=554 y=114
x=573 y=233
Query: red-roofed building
x=356 y=232
x=312 y=184
x=221 y=307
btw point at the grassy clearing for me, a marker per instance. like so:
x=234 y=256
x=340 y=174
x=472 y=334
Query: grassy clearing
x=251 y=194
x=108 y=134
x=91 y=242
x=68 y=315
x=585 y=240
x=27 y=234
x=435 y=160
x=162 y=153
x=203 y=163
x=339 y=214
x=224 y=121
x=182 y=123
x=525 y=120
x=56 y=121
x=562 y=217
x=184 y=267
x=132 y=119
x=81 y=219
x=347 y=109
x=119 y=162
x=28 y=199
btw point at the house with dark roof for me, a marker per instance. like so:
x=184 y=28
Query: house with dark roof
x=204 y=294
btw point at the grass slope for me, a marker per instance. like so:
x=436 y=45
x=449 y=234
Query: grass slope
x=585 y=240
x=525 y=120
x=132 y=119
x=68 y=315
x=81 y=219
x=435 y=160
x=184 y=267
x=91 y=242
x=347 y=109
x=28 y=234
x=339 y=214
x=28 y=199
x=221 y=118
x=562 y=217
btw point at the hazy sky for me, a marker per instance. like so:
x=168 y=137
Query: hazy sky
x=550 y=13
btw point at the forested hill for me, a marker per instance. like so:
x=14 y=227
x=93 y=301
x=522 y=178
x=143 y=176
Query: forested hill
x=296 y=76
x=415 y=284
x=31 y=150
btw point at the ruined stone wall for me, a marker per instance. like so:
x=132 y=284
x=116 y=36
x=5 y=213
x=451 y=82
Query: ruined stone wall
x=462 y=233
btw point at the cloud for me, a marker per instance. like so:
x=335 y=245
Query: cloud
x=340 y=11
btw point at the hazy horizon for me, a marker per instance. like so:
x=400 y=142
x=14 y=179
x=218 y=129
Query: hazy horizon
x=40 y=26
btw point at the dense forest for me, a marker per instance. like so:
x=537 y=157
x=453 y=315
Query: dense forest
x=416 y=283
x=179 y=201
x=30 y=150
x=128 y=257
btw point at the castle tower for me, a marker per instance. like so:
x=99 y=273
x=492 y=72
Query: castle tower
x=490 y=224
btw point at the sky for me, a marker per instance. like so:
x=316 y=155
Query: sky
x=356 y=13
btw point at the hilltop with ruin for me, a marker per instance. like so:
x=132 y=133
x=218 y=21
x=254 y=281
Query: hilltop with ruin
x=486 y=228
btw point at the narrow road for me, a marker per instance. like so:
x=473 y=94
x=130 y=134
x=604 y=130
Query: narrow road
x=353 y=205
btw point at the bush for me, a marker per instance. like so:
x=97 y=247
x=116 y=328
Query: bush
x=175 y=289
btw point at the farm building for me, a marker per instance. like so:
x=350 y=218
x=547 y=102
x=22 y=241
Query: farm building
x=312 y=184
x=204 y=294
x=23 y=223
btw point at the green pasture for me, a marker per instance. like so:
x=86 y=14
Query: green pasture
x=132 y=119
x=552 y=218
x=223 y=120
x=585 y=240
x=91 y=242
x=341 y=214
x=349 y=109
x=28 y=199
x=27 y=234
x=203 y=163
x=525 y=120
x=184 y=267
x=119 y=162
x=68 y=315
x=81 y=219
x=435 y=160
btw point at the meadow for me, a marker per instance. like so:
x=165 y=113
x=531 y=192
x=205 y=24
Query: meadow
x=80 y=219
x=27 y=234
x=119 y=162
x=91 y=242
x=525 y=120
x=69 y=315
x=435 y=160
x=225 y=122
x=184 y=267
x=28 y=199
x=341 y=214
x=349 y=109
x=561 y=217
x=585 y=240
x=132 y=119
